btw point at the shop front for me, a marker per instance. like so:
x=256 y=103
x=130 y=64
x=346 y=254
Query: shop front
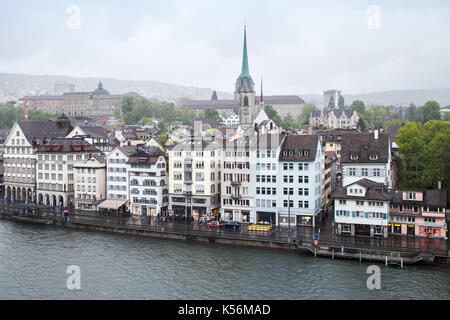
x=304 y=221
x=228 y=215
x=265 y=217
x=198 y=213
x=245 y=216
x=411 y=231
x=215 y=214
x=431 y=232
x=397 y=229
x=362 y=230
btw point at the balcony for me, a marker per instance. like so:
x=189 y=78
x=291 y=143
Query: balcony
x=188 y=180
x=235 y=183
x=236 y=196
x=189 y=193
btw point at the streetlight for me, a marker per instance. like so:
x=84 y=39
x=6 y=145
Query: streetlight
x=289 y=216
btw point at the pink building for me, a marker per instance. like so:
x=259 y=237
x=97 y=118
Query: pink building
x=418 y=213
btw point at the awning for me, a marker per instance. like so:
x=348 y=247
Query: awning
x=112 y=204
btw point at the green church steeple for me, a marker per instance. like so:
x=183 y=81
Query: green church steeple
x=245 y=82
x=245 y=72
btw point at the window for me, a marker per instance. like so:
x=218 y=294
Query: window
x=376 y=172
x=373 y=157
x=353 y=157
x=352 y=172
x=364 y=172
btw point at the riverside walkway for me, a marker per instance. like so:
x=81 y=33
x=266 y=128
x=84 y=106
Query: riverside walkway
x=300 y=236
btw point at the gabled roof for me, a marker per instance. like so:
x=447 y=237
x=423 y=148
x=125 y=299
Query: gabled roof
x=371 y=194
x=435 y=198
x=295 y=143
x=41 y=129
x=337 y=112
x=364 y=145
x=369 y=184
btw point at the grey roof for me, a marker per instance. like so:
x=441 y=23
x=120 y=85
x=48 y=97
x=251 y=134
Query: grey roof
x=435 y=198
x=67 y=145
x=364 y=145
x=371 y=194
x=369 y=184
x=41 y=129
x=127 y=150
x=296 y=143
x=100 y=158
x=337 y=112
x=43 y=97
x=287 y=99
x=95 y=132
x=392 y=131
x=230 y=103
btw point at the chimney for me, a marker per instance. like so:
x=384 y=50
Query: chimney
x=439 y=185
x=375 y=133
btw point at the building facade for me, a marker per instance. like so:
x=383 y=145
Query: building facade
x=55 y=170
x=300 y=181
x=366 y=156
x=334 y=119
x=90 y=183
x=194 y=178
x=362 y=209
x=147 y=171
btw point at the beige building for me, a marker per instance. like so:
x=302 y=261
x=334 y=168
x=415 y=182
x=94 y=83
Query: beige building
x=90 y=183
x=194 y=178
x=334 y=119
x=99 y=103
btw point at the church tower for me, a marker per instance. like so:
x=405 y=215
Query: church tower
x=244 y=94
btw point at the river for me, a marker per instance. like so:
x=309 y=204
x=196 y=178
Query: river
x=34 y=260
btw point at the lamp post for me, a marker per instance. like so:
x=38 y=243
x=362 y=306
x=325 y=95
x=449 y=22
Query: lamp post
x=289 y=217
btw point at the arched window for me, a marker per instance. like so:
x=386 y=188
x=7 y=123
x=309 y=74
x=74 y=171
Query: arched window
x=246 y=101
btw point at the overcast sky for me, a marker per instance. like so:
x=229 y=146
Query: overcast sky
x=296 y=46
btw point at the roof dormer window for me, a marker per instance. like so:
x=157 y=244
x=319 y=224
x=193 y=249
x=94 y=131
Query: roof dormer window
x=354 y=157
x=373 y=157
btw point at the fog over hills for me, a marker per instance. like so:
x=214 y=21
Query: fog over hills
x=14 y=86
x=387 y=98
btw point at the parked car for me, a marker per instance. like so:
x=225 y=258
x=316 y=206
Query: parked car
x=215 y=224
x=231 y=224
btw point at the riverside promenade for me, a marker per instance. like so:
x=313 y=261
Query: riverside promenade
x=396 y=250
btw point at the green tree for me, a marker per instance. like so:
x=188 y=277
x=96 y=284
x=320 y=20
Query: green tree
x=431 y=111
x=288 y=122
x=362 y=124
x=303 y=117
x=127 y=103
x=211 y=113
x=412 y=113
x=341 y=102
x=332 y=103
x=273 y=114
x=236 y=110
x=9 y=115
x=358 y=106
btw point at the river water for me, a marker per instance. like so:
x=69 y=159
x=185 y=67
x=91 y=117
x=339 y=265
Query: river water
x=34 y=261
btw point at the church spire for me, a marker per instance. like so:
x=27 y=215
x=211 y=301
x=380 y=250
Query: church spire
x=245 y=70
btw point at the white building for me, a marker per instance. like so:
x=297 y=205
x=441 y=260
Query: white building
x=90 y=183
x=95 y=135
x=117 y=179
x=147 y=169
x=362 y=208
x=20 y=155
x=232 y=119
x=237 y=185
x=55 y=169
x=265 y=177
x=194 y=178
x=300 y=181
x=366 y=156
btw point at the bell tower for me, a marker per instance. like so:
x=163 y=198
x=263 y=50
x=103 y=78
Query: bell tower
x=244 y=94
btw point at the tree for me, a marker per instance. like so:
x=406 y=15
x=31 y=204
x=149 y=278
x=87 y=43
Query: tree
x=127 y=103
x=412 y=113
x=236 y=110
x=273 y=114
x=361 y=124
x=332 y=103
x=431 y=111
x=358 y=106
x=10 y=114
x=187 y=115
x=425 y=154
x=211 y=113
x=341 y=102
x=288 y=122
x=303 y=117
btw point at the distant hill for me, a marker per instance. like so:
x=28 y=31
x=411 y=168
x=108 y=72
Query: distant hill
x=397 y=97
x=13 y=86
